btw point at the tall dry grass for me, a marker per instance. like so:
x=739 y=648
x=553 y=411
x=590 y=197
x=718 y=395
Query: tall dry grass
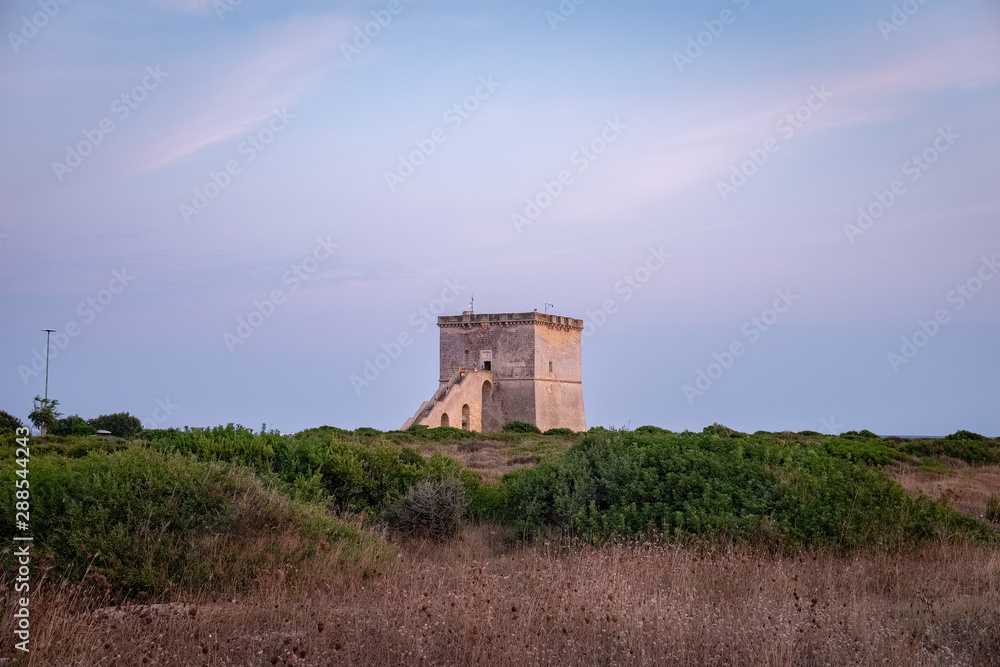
x=474 y=602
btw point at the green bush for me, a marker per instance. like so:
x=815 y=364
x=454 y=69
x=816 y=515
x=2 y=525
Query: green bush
x=716 y=485
x=721 y=431
x=73 y=425
x=120 y=424
x=559 y=431
x=965 y=435
x=975 y=451
x=651 y=429
x=367 y=478
x=440 y=433
x=489 y=503
x=145 y=521
x=520 y=427
x=9 y=423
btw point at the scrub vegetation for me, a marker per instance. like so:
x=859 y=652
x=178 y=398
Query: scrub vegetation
x=440 y=546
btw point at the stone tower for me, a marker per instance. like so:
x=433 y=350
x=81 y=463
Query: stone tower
x=517 y=367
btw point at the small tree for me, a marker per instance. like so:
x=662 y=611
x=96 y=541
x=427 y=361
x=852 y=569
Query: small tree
x=121 y=424
x=44 y=415
x=9 y=423
x=73 y=425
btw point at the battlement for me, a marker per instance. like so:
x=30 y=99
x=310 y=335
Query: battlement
x=472 y=319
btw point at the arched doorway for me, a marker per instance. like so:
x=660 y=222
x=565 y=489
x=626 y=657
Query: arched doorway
x=465 y=417
x=444 y=419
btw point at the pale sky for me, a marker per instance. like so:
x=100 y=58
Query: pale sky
x=228 y=209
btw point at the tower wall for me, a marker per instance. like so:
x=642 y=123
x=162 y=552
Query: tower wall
x=559 y=391
x=534 y=362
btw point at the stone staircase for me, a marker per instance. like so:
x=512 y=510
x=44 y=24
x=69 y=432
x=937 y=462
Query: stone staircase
x=427 y=406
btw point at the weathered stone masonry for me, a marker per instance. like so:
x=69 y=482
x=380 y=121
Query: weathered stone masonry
x=530 y=372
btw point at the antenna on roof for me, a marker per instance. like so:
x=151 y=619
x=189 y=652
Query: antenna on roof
x=547 y=306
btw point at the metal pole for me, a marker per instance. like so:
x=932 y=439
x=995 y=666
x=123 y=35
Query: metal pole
x=48 y=335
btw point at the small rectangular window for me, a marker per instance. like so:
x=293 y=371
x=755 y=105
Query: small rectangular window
x=550 y=366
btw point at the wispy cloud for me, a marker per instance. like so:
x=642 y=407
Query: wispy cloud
x=277 y=68
x=677 y=161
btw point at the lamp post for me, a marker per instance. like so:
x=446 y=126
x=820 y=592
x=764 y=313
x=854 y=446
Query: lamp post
x=48 y=334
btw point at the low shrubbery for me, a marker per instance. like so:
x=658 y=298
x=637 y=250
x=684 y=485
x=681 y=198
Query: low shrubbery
x=721 y=484
x=354 y=472
x=520 y=427
x=140 y=522
x=210 y=508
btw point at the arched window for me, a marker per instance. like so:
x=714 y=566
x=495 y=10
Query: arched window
x=550 y=366
x=444 y=419
x=465 y=417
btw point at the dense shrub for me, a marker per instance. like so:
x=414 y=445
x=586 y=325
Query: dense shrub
x=715 y=484
x=9 y=423
x=144 y=521
x=73 y=425
x=559 y=431
x=430 y=509
x=721 y=431
x=651 y=429
x=974 y=450
x=965 y=435
x=440 y=433
x=325 y=463
x=520 y=427
x=366 y=478
x=120 y=424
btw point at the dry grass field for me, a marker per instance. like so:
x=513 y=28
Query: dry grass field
x=966 y=488
x=475 y=601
